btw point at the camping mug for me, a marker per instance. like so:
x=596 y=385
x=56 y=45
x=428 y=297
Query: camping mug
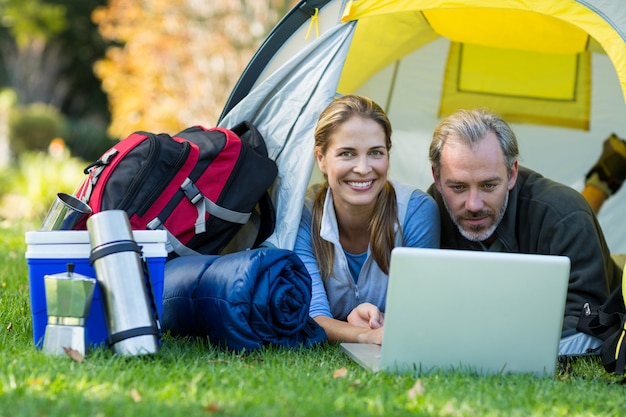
x=65 y=213
x=129 y=309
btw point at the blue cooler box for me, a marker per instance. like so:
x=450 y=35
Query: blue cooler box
x=49 y=252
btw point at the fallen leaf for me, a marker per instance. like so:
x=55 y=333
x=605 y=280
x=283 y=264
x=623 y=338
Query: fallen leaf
x=340 y=373
x=35 y=382
x=134 y=394
x=212 y=408
x=75 y=355
x=416 y=390
x=448 y=408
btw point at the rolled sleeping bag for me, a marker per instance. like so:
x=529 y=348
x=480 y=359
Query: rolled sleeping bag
x=244 y=300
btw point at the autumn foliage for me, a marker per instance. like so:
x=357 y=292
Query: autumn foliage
x=176 y=61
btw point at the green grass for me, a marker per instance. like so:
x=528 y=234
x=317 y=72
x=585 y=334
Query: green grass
x=191 y=378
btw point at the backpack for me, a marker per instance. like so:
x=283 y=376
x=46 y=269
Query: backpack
x=608 y=323
x=200 y=185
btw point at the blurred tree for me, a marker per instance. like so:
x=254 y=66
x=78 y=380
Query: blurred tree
x=83 y=45
x=32 y=68
x=177 y=61
x=48 y=49
x=47 y=52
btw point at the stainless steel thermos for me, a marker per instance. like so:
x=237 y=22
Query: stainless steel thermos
x=130 y=313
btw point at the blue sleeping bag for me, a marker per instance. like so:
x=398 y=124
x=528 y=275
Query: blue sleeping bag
x=243 y=300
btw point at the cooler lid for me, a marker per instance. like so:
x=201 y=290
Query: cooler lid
x=54 y=237
x=58 y=244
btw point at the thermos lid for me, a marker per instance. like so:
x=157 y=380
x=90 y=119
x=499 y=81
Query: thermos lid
x=109 y=226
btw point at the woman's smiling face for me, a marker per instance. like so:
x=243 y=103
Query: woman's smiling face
x=355 y=163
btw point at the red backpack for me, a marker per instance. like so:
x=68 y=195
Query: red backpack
x=200 y=185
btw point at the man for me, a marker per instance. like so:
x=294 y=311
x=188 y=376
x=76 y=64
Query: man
x=488 y=202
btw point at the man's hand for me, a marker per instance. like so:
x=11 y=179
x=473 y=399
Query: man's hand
x=366 y=315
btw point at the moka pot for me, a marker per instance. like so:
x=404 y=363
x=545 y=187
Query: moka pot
x=68 y=301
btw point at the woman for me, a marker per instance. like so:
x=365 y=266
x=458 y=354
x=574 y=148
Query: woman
x=352 y=221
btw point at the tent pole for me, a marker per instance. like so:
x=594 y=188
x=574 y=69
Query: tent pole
x=392 y=86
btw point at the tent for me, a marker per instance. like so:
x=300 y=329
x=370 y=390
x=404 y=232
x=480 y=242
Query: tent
x=556 y=70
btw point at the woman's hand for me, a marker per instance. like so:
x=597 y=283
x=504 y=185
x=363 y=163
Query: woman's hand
x=372 y=336
x=343 y=331
x=366 y=315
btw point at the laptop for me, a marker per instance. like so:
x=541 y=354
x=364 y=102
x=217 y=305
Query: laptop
x=481 y=312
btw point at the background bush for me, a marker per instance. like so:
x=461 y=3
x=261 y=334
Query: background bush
x=32 y=127
x=87 y=139
x=28 y=188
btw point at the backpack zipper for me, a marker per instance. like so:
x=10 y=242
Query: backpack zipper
x=167 y=179
x=154 y=148
x=229 y=183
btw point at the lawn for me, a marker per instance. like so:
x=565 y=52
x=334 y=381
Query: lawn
x=191 y=378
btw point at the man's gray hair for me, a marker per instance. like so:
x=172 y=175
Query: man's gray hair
x=471 y=126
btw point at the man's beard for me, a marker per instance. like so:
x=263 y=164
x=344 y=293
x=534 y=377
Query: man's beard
x=479 y=235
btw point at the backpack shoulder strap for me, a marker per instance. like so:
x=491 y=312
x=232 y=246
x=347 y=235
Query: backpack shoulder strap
x=613 y=350
x=604 y=320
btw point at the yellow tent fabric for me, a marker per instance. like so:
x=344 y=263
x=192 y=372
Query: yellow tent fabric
x=524 y=64
x=508 y=29
x=401 y=34
x=522 y=86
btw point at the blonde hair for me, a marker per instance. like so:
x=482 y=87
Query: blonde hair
x=382 y=224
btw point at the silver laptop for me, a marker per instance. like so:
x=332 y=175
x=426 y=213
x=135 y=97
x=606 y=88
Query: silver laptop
x=482 y=312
